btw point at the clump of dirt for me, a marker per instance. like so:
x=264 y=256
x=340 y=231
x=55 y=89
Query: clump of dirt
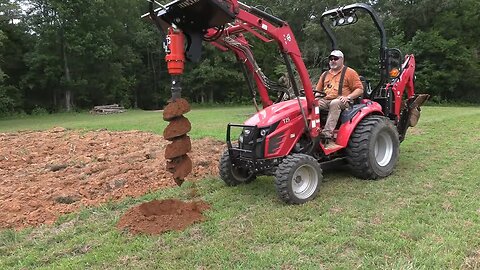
x=49 y=173
x=156 y=217
x=177 y=128
x=176 y=108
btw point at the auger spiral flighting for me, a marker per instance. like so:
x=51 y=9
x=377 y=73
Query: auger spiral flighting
x=179 y=163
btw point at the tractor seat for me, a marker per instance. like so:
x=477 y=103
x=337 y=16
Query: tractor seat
x=367 y=88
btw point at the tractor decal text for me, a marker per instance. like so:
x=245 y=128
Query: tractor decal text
x=187 y=3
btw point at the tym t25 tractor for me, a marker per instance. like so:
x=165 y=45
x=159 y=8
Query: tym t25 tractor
x=282 y=139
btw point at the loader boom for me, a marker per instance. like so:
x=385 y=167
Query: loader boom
x=224 y=25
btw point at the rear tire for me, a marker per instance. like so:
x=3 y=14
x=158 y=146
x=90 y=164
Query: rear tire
x=298 y=178
x=373 y=148
x=231 y=175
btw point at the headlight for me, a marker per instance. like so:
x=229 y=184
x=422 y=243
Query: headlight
x=245 y=135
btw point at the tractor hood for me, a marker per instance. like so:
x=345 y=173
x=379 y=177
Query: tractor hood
x=277 y=112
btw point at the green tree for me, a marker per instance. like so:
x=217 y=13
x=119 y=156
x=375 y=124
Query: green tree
x=93 y=51
x=72 y=53
x=12 y=46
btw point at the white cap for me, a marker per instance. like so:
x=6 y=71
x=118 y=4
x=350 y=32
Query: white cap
x=336 y=53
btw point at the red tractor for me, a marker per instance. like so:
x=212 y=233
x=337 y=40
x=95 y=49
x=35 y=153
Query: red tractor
x=282 y=139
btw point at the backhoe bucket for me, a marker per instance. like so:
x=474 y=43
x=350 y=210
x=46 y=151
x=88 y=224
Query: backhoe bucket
x=197 y=15
x=410 y=114
x=415 y=109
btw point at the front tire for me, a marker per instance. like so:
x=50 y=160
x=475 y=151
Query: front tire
x=232 y=175
x=298 y=178
x=373 y=148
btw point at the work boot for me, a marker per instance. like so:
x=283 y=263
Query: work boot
x=330 y=144
x=324 y=139
x=324 y=136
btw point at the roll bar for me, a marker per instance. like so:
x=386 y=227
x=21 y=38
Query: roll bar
x=350 y=10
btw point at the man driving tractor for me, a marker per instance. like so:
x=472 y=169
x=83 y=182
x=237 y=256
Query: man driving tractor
x=341 y=85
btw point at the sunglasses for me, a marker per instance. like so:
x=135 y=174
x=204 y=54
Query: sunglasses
x=333 y=58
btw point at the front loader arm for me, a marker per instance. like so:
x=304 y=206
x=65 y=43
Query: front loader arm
x=268 y=28
x=221 y=21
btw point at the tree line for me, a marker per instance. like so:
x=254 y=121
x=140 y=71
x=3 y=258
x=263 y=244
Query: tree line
x=58 y=55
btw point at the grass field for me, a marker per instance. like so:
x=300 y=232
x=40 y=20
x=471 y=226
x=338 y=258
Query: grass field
x=424 y=216
x=205 y=122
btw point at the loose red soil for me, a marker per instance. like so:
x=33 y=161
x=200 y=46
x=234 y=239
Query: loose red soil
x=175 y=109
x=49 y=173
x=178 y=148
x=178 y=126
x=179 y=164
x=160 y=216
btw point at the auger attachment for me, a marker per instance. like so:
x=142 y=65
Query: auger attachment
x=179 y=163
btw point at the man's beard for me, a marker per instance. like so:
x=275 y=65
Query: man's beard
x=335 y=66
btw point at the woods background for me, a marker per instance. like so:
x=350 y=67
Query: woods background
x=62 y=55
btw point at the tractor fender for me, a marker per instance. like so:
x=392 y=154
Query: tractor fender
x=351 y=120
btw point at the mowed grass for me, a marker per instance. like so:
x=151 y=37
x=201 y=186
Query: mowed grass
x=424 y=216
x=206 y=122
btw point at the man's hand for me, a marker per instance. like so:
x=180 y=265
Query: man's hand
x=344 y=100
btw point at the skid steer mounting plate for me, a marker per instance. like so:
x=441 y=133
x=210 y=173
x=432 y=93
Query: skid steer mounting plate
x=197 y=15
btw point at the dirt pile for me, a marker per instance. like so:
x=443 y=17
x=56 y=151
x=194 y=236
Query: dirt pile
x=156 y=217
x=49 y=173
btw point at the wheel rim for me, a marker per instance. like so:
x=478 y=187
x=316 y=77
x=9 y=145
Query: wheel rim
x=241 y=174
x=383 y=149
x=304 y=181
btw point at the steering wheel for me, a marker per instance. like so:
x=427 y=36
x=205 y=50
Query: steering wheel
x=319 y=94
x=316 y=93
